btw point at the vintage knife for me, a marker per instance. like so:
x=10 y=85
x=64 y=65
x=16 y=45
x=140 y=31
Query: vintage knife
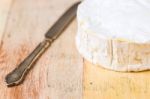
x=18 y=74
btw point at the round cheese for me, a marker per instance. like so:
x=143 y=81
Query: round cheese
x=115 y=34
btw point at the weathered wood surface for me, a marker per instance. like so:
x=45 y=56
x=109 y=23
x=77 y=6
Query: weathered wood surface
x=58 y=73
x=100 y=83
x=4 y=11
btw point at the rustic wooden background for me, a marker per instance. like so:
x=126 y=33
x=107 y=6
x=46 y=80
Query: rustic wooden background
x=59 y=73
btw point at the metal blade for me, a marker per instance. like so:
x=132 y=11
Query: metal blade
x=62 y=22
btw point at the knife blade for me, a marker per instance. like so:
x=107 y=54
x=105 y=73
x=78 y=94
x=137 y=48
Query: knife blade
x=18 y=75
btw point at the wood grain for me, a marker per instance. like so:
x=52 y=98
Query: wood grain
x=58 y=73
x=100 y=83
x=5 y=6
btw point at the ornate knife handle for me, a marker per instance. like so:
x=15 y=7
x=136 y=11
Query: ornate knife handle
x=17 y=75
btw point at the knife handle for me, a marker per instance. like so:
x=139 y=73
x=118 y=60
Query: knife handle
x=18 y=74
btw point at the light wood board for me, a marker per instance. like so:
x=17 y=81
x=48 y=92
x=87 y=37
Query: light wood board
x=58 y=73
x=100 y=83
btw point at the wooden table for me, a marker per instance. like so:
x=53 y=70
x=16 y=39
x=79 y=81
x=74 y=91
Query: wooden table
x=59 y=72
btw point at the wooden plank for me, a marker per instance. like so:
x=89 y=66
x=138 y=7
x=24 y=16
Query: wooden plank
x=4 y=14
x=65 y=77
x=100 y=83
x=58 y=73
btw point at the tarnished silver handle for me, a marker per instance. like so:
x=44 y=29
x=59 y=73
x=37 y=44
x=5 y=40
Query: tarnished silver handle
x=17 y=75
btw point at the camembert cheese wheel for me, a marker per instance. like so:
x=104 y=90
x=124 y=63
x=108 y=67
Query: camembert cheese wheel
x=115 y=34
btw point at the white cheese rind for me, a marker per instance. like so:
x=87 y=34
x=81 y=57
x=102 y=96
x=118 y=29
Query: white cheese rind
x=123 y=19
x=110 y=51
x=113 y=54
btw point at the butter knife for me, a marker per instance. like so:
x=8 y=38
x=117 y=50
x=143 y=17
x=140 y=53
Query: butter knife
x=18 y=75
